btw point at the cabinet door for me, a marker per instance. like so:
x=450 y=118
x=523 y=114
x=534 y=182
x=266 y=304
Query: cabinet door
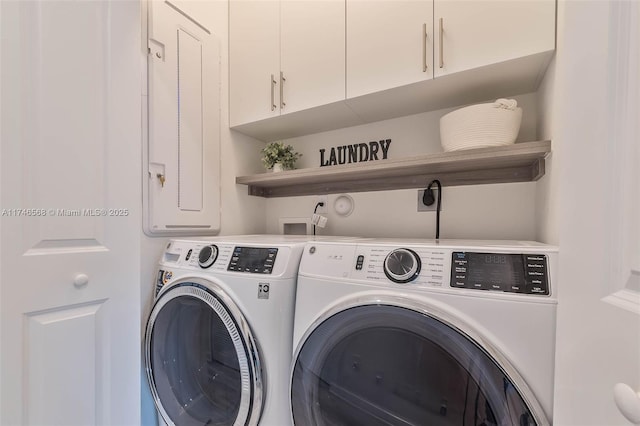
x=70 y=275
x=477 y=33
x=389 y=44
x=312 y=53
x=254 y=57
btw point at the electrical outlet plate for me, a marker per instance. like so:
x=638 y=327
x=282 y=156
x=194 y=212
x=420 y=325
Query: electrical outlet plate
x=432 y=207
x=321 y=199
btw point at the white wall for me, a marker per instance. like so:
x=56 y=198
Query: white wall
x=501 y=211
x=547 y=188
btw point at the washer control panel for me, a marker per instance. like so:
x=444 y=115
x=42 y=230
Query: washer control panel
x=511 y=273
x=256 y=260
x=226 y=257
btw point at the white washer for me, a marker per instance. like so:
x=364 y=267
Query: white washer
x=417 y=333
x=218 y=338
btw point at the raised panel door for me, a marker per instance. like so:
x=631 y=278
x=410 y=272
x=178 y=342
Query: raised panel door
x=70 y=190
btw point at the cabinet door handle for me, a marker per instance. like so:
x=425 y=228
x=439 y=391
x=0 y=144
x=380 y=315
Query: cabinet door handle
x=282 y=80
x=441 y=44
x=273 y=82
x=424 y=47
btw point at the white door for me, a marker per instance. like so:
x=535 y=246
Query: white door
x=254 y=60
x=598 y=104
x=312 y=53
x=470 y=34
x=70 y=196
x=389 y=44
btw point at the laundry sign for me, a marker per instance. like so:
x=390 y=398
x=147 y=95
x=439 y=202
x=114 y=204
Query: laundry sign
x=355 y=153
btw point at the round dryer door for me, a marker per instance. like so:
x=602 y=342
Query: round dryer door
x=386 y=365
x=202 y=362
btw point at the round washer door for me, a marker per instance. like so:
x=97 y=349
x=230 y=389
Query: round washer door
x=387 y=365
x=202 y=361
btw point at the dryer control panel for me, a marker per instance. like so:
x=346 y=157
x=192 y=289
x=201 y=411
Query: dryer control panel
x=511 y=273
x=513 y=269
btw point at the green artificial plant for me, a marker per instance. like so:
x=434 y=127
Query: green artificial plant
x=278 y=152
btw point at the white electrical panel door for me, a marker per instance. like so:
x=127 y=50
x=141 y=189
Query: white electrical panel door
x=471 y=34
x=389 y=44
x=183 y=185
x=70 y=195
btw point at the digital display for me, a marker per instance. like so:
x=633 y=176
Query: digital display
x=513 y=273
x=256 y=260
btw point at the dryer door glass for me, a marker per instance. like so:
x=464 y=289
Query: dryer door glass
x=196 y=360
x=387 y=365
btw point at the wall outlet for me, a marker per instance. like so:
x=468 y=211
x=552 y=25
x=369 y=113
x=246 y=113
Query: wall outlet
x=321 y=199
x=432 y=207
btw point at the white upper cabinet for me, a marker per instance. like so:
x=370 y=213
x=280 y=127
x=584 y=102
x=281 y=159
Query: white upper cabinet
x=312 y=53
x=284 y=56
x=471 y=34
x=339 y=63
x=254 y=60
x=389 y=44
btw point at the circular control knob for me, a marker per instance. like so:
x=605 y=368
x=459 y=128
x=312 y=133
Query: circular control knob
x=402 y=265
x=207 y=256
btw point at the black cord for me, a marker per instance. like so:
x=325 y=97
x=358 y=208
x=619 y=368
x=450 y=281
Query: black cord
x=320 y=204
x=430 y=192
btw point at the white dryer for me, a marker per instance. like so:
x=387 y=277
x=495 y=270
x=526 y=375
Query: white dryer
x=418 y=333
x=218 y=338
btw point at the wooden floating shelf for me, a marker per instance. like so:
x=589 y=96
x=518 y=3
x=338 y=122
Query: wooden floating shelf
x=521 y=162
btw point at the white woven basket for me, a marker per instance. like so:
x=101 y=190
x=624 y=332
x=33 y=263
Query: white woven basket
x=479 y=126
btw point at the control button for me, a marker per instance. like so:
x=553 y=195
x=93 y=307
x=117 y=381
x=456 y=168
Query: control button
x=359 y=262
x=188 y=254
x=535 y=258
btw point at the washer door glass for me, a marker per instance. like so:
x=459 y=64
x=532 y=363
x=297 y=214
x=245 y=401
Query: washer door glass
x=197 y=362
x=387 y=365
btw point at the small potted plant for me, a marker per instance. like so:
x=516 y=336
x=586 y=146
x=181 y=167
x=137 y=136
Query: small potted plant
x=277 y=156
